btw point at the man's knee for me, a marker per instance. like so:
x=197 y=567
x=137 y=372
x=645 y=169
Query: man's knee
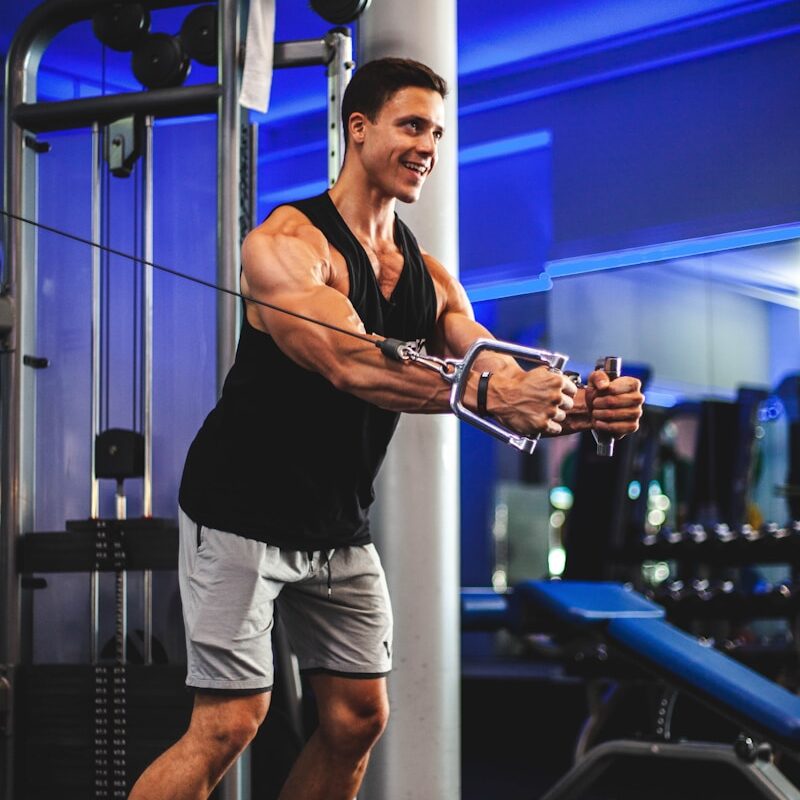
x=353 y=728
x=228 y=724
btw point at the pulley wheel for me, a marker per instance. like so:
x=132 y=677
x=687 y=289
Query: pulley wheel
x=340 y=11
x=121 y=26
x=160 y=61
x=199 y=34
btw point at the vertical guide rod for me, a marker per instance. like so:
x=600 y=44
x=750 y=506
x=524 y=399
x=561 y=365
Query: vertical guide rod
x=236 y=783
x=340 y=70
x=147 y=374
x=147 y=319
x=228 y=160
x=94 y=582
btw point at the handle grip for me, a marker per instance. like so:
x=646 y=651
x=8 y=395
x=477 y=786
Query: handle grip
x=554 y=361
x=612 y=366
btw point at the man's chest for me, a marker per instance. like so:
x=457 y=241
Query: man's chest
x=385 y=268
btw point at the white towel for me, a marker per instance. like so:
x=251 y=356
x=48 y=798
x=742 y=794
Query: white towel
x=257 y=74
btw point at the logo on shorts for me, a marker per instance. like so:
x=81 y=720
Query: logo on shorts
x=388 y=649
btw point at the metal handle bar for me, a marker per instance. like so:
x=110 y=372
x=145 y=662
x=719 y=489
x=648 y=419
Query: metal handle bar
x=457 y=371
x=458 y=378
x=612 y=366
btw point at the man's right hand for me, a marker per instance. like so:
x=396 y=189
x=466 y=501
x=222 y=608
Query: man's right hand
x=531 y=403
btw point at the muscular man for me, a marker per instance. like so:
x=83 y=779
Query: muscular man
x=278 y=481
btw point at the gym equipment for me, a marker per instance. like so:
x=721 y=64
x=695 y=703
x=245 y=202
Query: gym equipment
x=43 y=743
x=340 y=12
x=159 y=61
x=123 y=145
x=456 y=372
x=598 y=522
x=199 y=34
x=612 y=366
x=722 y=545
x=121 y=26
x=723 y=459
x=555 y=362
x=633 y=628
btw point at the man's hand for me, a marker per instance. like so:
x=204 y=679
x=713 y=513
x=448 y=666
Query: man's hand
x=531 y=402
x=614 y=406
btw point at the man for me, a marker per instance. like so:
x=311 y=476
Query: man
x=278 y=481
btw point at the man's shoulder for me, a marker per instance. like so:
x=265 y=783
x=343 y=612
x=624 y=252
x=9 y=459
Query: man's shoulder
x=286 y=221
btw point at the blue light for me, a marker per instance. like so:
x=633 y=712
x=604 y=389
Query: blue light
x=771 y=409
x=634 y=490
x=622 y=72
x=669 y=251
x=661 y=399
x=505 y=147
x=513 y=288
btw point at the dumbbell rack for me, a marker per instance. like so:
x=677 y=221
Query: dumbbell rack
x=714 y=554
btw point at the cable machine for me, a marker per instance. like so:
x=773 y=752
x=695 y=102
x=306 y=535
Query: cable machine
x=117 y=123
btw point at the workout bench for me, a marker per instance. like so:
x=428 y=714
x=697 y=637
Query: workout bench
x=635 y=628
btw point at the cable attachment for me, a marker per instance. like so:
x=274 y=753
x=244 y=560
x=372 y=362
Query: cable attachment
x=555 y=362
x=412 y=351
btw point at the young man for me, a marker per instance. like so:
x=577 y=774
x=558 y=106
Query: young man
x=278 y=481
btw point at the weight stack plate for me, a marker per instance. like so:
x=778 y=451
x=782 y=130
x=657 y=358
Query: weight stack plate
x=58 y=737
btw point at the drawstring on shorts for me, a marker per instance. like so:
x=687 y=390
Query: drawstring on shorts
x=330 y=576
x=326 y=565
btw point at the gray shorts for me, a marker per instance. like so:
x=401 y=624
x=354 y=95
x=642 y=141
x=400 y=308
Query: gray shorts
x=334 y=605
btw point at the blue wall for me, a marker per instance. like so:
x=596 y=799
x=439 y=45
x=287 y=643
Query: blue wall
x=672 y=133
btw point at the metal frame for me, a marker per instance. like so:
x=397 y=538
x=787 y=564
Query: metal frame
x=762 y=774
x=23 y=115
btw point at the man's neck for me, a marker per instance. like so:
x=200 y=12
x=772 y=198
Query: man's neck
x=368 y=212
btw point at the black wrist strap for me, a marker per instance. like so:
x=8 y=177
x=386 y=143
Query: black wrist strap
x=483 y=391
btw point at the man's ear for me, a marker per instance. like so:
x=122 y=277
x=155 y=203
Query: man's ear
x=357 y=125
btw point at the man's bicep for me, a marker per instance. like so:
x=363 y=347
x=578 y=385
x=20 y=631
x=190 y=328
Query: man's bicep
x=283 y=261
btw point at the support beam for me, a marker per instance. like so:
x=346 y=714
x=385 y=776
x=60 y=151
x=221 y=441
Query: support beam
x=418 y=536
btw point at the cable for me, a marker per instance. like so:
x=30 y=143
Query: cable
x=191 y=278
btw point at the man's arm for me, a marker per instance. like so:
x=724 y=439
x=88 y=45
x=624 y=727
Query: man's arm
x=287 y=262
x=604 y=405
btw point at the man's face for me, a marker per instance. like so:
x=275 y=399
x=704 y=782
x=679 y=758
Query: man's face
x=399 y=149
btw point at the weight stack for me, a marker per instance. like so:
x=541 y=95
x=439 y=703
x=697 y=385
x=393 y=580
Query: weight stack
x=88 y=731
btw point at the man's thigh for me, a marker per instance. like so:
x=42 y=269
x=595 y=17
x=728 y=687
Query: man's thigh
x=339 y=620
x=228 y=588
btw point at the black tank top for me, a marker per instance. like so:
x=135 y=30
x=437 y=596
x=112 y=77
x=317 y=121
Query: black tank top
x=285 y=458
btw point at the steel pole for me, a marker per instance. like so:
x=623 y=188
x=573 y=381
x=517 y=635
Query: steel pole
x=229 y=121
x=340 y=70
x=147 y=373
x=94 y=503
x=236 y=784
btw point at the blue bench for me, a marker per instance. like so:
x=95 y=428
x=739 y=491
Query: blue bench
x=636 y=627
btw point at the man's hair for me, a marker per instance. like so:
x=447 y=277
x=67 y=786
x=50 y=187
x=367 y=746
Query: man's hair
x=375 y=82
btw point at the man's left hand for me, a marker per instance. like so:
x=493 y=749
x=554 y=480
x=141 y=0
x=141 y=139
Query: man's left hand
x=615 y=406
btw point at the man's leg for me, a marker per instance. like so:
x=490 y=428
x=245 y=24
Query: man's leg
x=352 y=716
x=221 y=727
